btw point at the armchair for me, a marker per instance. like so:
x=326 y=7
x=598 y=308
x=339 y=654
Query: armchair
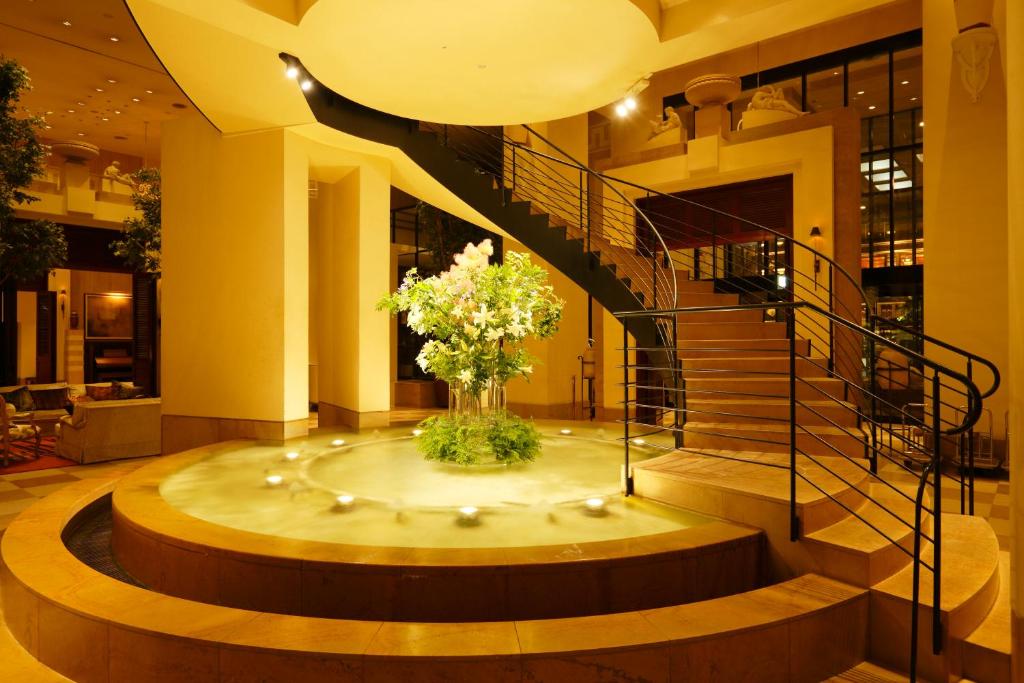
x=14 y=427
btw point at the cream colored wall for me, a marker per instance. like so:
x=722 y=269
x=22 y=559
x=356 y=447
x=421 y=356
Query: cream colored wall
x=26 y=335
x=355 y=339
x=235 y=257
x=965 y=206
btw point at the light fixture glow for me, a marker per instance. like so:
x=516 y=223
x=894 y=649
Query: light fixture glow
x=565 y=432
x=111 y=81
x=117 y=111
x=306 y=85
x=904 y=82
x=67 y=23
x=863 y=208
x=913 y=99
x=274 y=480
x=417 y=432
x=921 y=125
x=99 y=89
x=638 y=441
x=344 y=501
x=71 y=111
x=468 y=515
x=338 y=442
x=620 y=110
x=872 y=107
x=136 y=99
x=105 y=119
x=149 y=92
x=291 y=455
x=860 y=92
x=781 y=281
x=115 y=39
x=630 y=103
x=292 y=72
x=594 y=506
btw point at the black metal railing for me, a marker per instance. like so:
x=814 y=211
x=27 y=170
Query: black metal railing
x=816 y=425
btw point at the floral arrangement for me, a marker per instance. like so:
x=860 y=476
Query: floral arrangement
x=477 y=316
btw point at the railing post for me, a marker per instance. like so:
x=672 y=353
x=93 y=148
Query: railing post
x=513 y=168
x=873 y=389
x=679 y=384
x=831 y=324
x=625 y=402
x=937 y=516
x=794 y=519
x=970 y=453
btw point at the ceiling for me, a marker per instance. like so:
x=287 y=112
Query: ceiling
x=113 y=94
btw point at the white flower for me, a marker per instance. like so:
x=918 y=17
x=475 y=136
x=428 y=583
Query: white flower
x=472 y=332
x=483 y=316
x=494 y=334
x=466 y=376
x=516 y=330
x=527 y=369
x=486 y=248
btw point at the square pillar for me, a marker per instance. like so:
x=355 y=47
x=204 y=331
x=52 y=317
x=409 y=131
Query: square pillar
x=235 y=288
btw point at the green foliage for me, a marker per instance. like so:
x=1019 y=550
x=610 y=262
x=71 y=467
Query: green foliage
x=28 y=249
x=463 y=440
x=140 y=243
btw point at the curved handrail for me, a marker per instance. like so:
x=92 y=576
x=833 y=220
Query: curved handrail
x=971 y=415
x=758 y=226
x=955 y=349
x=583 y=167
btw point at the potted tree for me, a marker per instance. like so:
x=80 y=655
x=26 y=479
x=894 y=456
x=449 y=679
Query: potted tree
x=29 y=249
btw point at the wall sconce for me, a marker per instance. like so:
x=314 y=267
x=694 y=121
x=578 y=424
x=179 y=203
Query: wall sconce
x=816 y=244
x=62 y=298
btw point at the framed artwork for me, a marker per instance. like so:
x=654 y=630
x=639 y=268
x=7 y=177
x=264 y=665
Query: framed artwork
x=108 y=316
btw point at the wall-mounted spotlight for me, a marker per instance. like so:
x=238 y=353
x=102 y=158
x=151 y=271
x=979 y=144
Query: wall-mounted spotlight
x=621 y=111
x=628 y=102
x=292 y=72
x=306 y=85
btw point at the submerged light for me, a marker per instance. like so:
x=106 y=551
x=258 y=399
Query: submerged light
x=417 y=432
x=566 y=432
x=338 y=442
x=291 y=455
x=274 y=479
x=469 y=515
x=344 y=501
x=638 y=441
x=595 y=506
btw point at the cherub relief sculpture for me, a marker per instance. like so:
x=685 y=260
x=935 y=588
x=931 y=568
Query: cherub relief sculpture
x=770 y=97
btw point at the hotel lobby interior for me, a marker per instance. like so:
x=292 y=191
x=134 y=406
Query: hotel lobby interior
x=546 y=341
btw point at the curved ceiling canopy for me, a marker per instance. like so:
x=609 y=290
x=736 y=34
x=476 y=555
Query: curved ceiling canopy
x=473 y=62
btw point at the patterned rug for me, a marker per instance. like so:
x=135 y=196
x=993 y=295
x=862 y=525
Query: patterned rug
x=23 y=457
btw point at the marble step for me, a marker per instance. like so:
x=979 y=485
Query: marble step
x=814 y=441
x=866 y=672
x=756 y=366
x=730 y=330
x=761 y=411
x=699 y=299
x=719 y=348
x=970 y=588
x=718 y=317
x=986 y=651
x=809 y=388
x=851 y=550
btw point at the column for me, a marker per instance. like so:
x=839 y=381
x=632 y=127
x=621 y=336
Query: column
x=235 y=290
x=354 y=339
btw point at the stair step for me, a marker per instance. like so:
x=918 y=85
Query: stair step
x=731 y=330
x=753 y=365
x=970 y=588
x=808 y=388
x=815 y=441
x=770 y=411
x=749 y=487
x=987 y=649
x=866 y=672
x=737 y=348
x=726 y=316
x=686 y=299
x=687 y=285
x=852 y=551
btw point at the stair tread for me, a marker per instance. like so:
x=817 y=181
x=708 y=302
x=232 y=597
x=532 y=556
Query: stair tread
x=825 y=430
x=754 y=472
x=768 y=401
x=867 y=672
x=994 y=632
x=853 y=534
x=970 y=560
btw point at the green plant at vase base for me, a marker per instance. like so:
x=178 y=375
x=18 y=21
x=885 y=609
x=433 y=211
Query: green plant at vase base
x=28 y=249
x=140 y=242
x=463 y=440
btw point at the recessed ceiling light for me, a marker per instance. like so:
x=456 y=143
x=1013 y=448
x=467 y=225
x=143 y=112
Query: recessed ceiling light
x=99 y=89
x=149 y=92
x=860 y=92
x=111 y=81
x=872 y=107
x=835 y=73
x=104 y=119
x=913 y=99
x=921 y=125
x=904 y=82
x=115 y=39
x=81 y=104
x=81 y=135
x=136 y=99
x=117 y=111
x=49 y=112
x=67 y=22
x=71 y=111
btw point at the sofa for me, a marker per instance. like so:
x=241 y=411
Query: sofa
x=49 y=402
x=108 y=430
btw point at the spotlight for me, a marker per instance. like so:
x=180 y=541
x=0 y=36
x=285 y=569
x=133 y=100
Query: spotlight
x=620 y=110
x=417 y=432
x=274 y=480
x=344 y=501
x=468 y=515
x=595 y=507
x=338 y=442
x=292 y=72
x=306 y=85
x=630 y=103
x=565 y=432
x=291 y=455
